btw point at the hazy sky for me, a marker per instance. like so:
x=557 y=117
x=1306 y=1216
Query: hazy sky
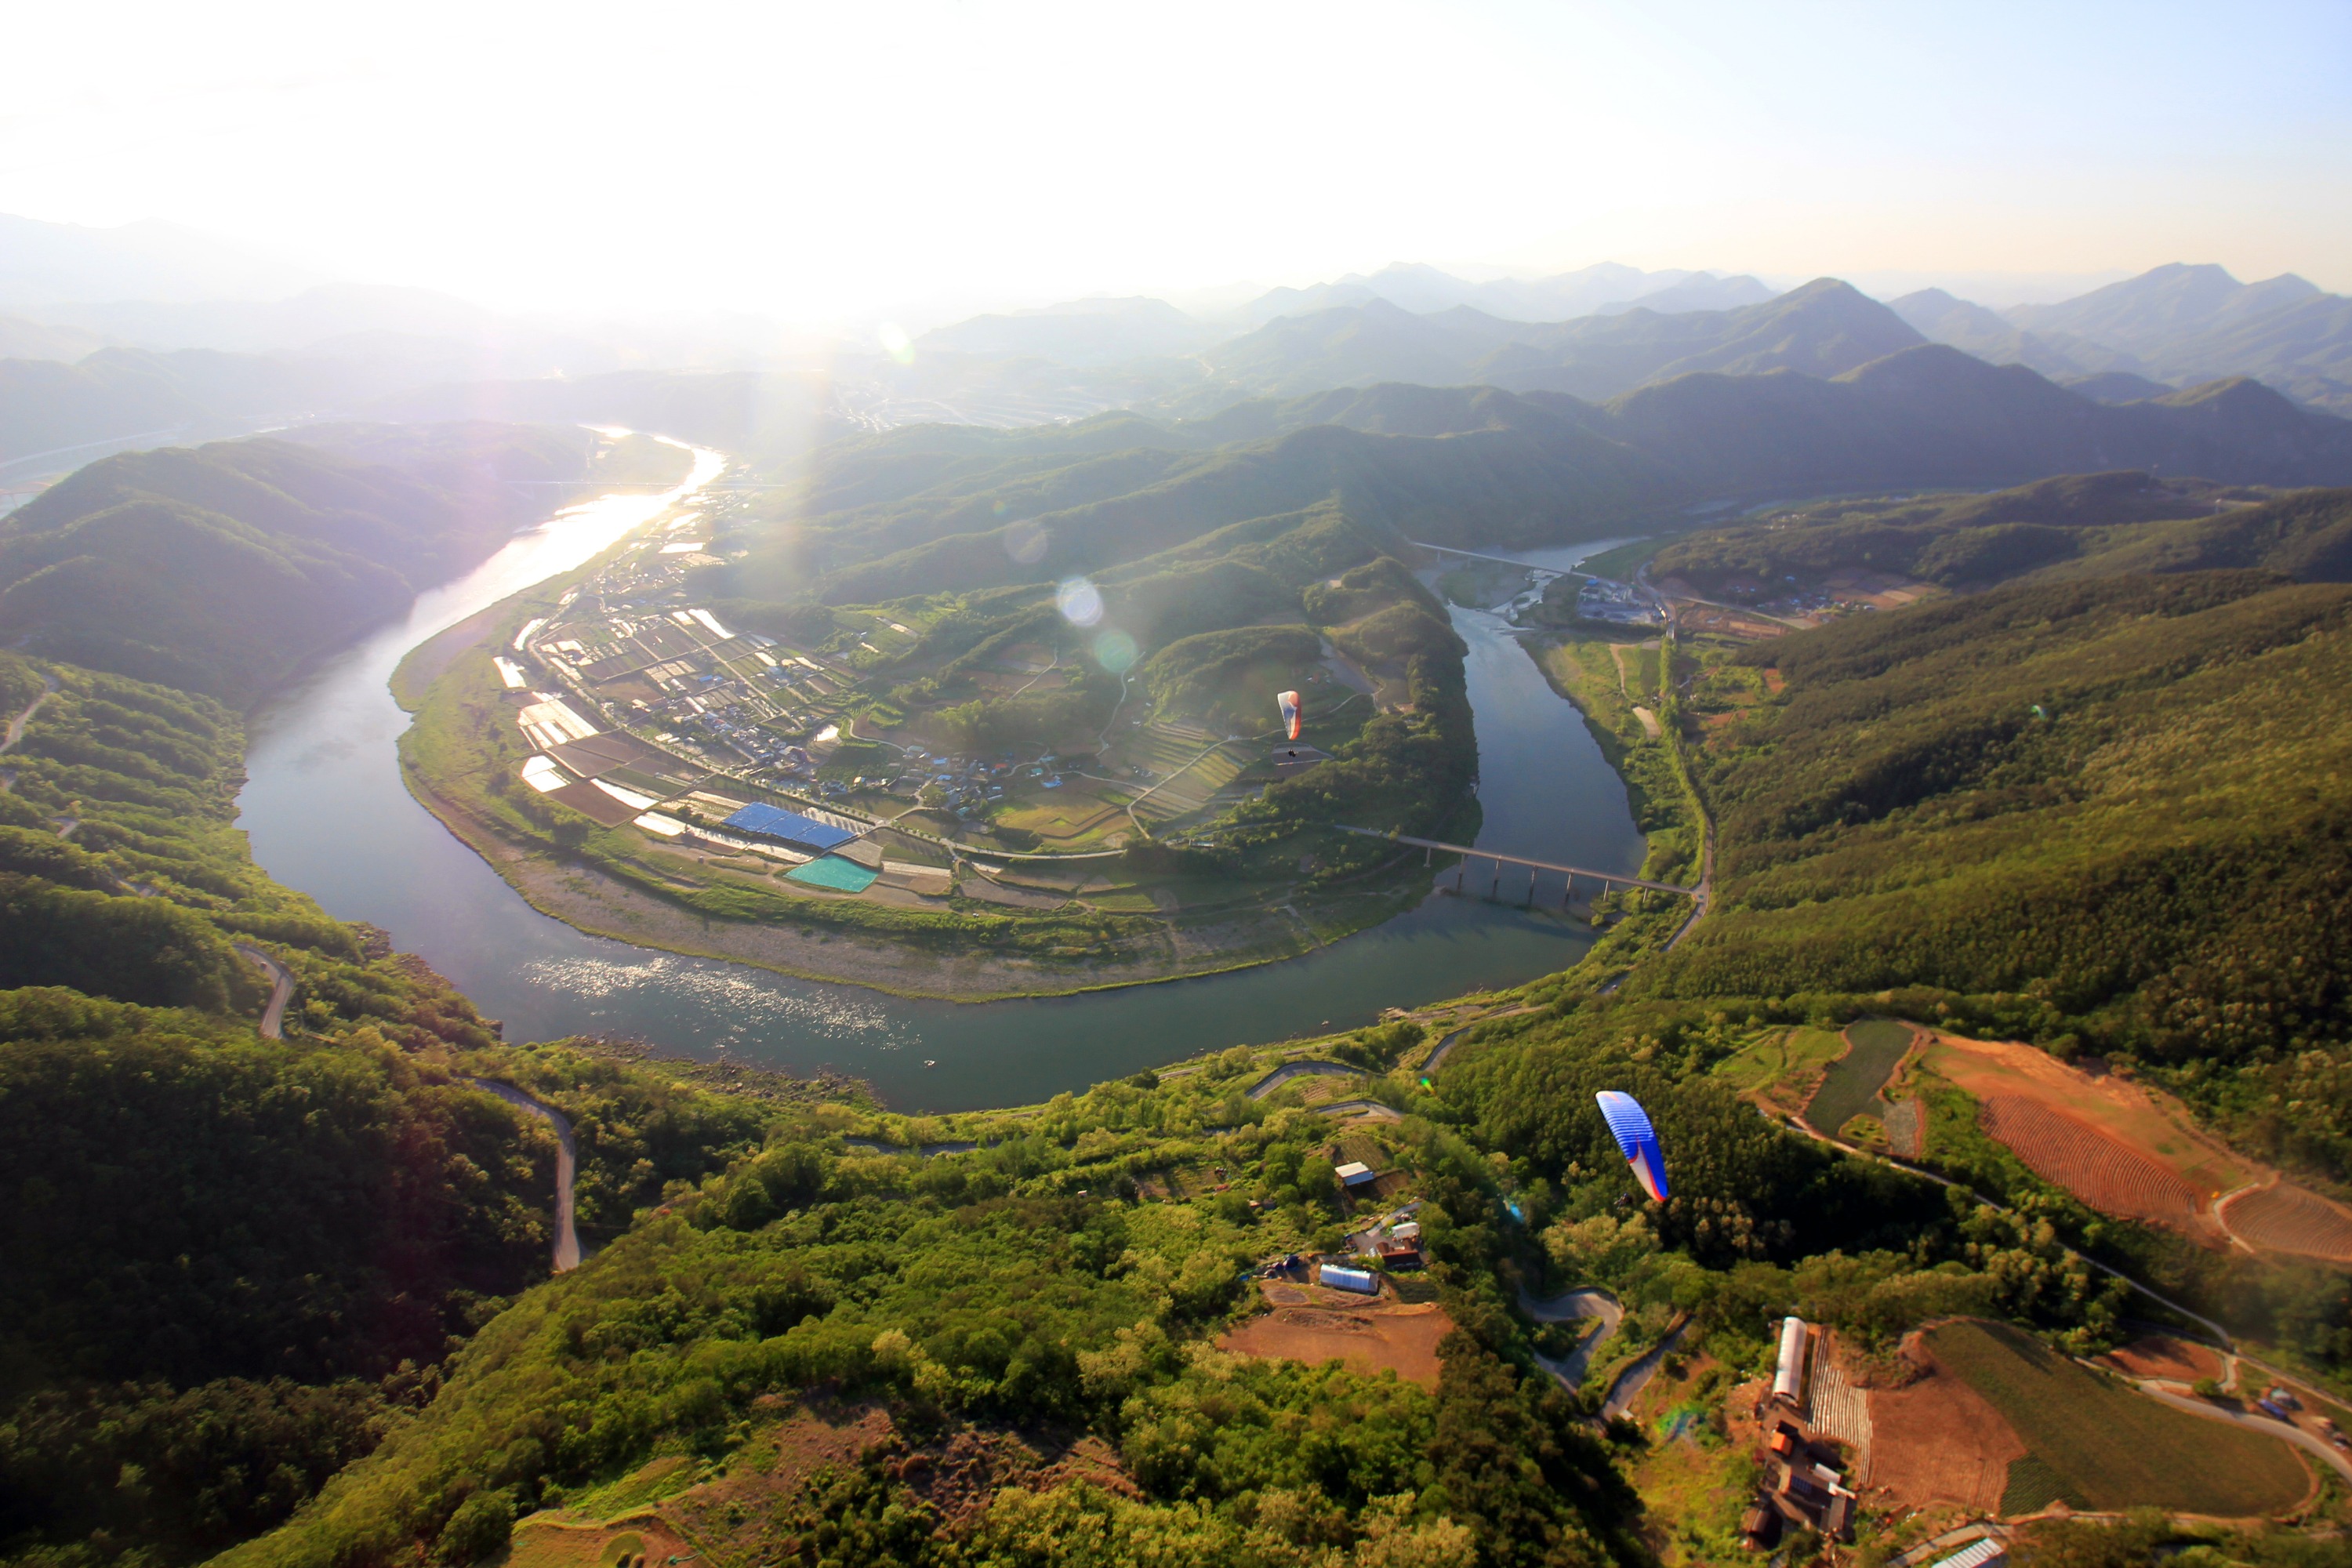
x=825 y=160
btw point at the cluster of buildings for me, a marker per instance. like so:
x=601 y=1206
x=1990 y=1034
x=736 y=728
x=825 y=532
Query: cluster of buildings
x=1601 y=599
x=1802 y=1482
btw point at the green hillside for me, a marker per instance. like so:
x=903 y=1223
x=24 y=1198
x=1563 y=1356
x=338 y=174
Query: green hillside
x=931 y=509
x=219 y=569
x=2103 y=813
x=2079 y=525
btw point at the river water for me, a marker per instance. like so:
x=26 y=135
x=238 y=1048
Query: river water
x=327 y=813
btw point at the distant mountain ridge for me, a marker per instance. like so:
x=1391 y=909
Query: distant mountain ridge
x=924 y=510
x=2178 y=323
x=1825 y=327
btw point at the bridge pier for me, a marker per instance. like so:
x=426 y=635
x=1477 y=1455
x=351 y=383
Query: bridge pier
x=1531 y=886
x=1494 y=888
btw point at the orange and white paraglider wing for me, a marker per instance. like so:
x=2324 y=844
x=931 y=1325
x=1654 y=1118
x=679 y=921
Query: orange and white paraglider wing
x=1289 y=700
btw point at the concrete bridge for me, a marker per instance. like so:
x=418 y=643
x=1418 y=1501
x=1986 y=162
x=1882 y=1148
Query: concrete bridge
x=1430 y=848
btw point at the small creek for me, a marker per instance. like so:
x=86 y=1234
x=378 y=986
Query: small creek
x=327 y=813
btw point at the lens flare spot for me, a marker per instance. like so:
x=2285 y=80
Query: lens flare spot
x=896 y=343
x=1079 y=601
x=1115 y=651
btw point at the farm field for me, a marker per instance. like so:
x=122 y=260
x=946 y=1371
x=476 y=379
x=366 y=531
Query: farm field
x=1780 y=1069
x=2118 y=1146
x=2096 y=1444
x=2286 y=1218
x=2110 y=1177
x=1938 y=1442
x=1851 y=1086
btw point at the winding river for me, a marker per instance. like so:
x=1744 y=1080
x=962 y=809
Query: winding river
x=326 y=811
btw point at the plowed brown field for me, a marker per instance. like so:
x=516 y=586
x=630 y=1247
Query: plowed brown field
x=2109 y=1176
x=2286 y=1218
x=2113 y=1143
x=1939 y=1441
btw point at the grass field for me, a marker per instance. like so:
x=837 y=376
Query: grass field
x=1779 y=1060
x=2095 y=1443
x=1850 y=1087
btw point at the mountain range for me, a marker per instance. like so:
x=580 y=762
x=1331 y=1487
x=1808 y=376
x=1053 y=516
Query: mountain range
x=2175 y=324
x=925 y=509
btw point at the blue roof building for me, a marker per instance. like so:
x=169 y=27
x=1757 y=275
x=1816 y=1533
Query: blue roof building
x=788 y=827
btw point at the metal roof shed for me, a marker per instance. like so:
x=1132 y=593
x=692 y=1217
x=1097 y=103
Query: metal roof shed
x=1354 y=1173
x=764 y=821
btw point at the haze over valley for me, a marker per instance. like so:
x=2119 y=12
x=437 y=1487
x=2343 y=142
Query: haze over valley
x=1495 y=787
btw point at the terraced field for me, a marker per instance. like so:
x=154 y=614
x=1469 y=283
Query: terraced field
x=2110 y=1177
x=2286 y=1218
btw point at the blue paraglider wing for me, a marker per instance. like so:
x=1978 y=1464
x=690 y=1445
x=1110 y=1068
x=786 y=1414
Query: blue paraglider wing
x=1636 y=1140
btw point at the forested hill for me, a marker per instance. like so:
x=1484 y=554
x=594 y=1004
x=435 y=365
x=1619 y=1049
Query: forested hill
x=218 y=569
x=232 y=1261
x=2078 y=525
x=927 y=509
x=2107 y=815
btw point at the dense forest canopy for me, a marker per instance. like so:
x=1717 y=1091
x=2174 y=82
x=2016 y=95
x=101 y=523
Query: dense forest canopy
x=2078 y=525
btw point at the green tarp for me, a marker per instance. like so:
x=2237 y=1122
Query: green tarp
x=832 y=871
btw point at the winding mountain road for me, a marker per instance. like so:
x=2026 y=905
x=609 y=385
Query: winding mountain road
x=16 y=725
x=1569 y=1307
x=273 y=1018
x=567 y=1165
x=2283 y=1431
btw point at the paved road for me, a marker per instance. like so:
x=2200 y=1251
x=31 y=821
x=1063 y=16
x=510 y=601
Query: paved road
x=567 y=1163
x=2280 y=1429
x=1372 y=1108
x=1445 y=1046
x=1289 y=1070
x=1574 y=1307
x=1636 y=1377
x=273 y=1018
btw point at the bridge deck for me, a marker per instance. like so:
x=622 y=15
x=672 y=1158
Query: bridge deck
x=1469 y=852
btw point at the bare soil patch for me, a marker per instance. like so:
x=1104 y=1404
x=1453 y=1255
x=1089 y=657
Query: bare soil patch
x=1313 y=1325
x=1879 y=590
x=2150 y=1128
x=2285 y=1217
x=548 y=1542
x=2162 y=1356
x=2108 y=1176
x=1936 y=1441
